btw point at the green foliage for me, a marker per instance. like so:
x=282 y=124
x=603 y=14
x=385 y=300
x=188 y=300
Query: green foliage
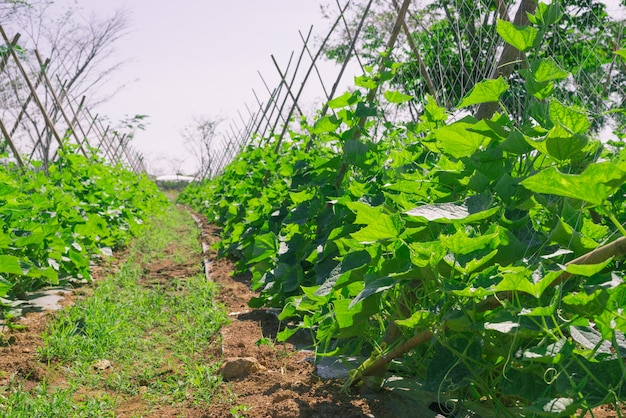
x=54 y=224
x=462 y=229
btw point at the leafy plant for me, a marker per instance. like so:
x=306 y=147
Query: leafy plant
x=54 y=224
x=482 y=255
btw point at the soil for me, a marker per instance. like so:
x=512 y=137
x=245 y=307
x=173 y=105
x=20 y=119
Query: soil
x=282 y=383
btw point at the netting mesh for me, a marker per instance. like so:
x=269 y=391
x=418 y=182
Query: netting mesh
x=458 y=44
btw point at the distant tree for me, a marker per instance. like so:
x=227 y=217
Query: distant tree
x=80 y=51
x=198 y=137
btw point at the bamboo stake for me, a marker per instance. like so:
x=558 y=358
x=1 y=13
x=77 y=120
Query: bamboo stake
x=5 y=58
x=16 y=154
x=343 y=67
x=59 y=105
x=44 y=113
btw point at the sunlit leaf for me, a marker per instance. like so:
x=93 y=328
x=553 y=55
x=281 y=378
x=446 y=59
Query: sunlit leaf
x=522 y=38
x=326 y=124
x=475 y=208
x=419 y=319
x=484 y=92
x=572 y=119
x=503 y=327
x=587 y=270
x=548 y=70
x=10 y=264
x=459 y=141
x=397 y=97
x=344 y=100
x=557 y=407
x=594 y=185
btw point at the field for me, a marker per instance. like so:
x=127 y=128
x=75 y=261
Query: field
x=464 y=260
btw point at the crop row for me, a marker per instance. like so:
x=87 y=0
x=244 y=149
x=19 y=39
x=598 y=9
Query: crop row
x=54 y=225
x=478 y=257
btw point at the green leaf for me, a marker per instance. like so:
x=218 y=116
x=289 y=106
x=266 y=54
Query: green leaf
x=302 y=196
x=521 y=37
x=548 y=70
x=587 y=270
x=553 y=353
x=10 y=264
x=386 y=227
x=339 y=276
x=377 y=286
x=365 y=82
x=572 y=119
x=365 y=214
x=397 y=97
x=344 y=100
x=547 y=14
x=461 y=243
x=459 y=141
x=326 y=124
x=562 y=146
x=515 y=143
x=433 y=112
x=484 y=92
x=352 y=318
x=418 y=320
x=594 y=185
x=621 y=53
x=264 y=247
x=516 y=282
x=5 y=286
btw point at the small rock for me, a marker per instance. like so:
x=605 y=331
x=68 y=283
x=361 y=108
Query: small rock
x=239 y=367
x=102 y=364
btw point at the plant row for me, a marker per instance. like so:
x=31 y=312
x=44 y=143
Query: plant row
x=54 y=225
x=480 y=257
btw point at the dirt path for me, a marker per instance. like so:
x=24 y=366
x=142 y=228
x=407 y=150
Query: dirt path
x=283 y=384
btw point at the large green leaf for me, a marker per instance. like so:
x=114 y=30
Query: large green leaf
x=484 y=92
x=397 y=97
x=521 y=37
x=594 y=185
x=344 y=100
x=365 y=214
x=548 y=70
x=326 y=124
x=386 y=227
x=264 y=247
x=562 y=145
x=458 y=140
x=10 y=264
x=572 y=119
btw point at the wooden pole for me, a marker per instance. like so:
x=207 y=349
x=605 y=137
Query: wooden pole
x=345 y=63
x=7 y=137
x=59 y=105
x=44 y=113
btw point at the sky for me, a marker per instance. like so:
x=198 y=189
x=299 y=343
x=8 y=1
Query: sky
x=200 y=58
x=191 y=58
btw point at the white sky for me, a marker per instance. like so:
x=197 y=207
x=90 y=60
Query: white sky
x=191 y=57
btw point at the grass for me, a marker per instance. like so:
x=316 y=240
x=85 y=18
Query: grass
x=159 y=334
